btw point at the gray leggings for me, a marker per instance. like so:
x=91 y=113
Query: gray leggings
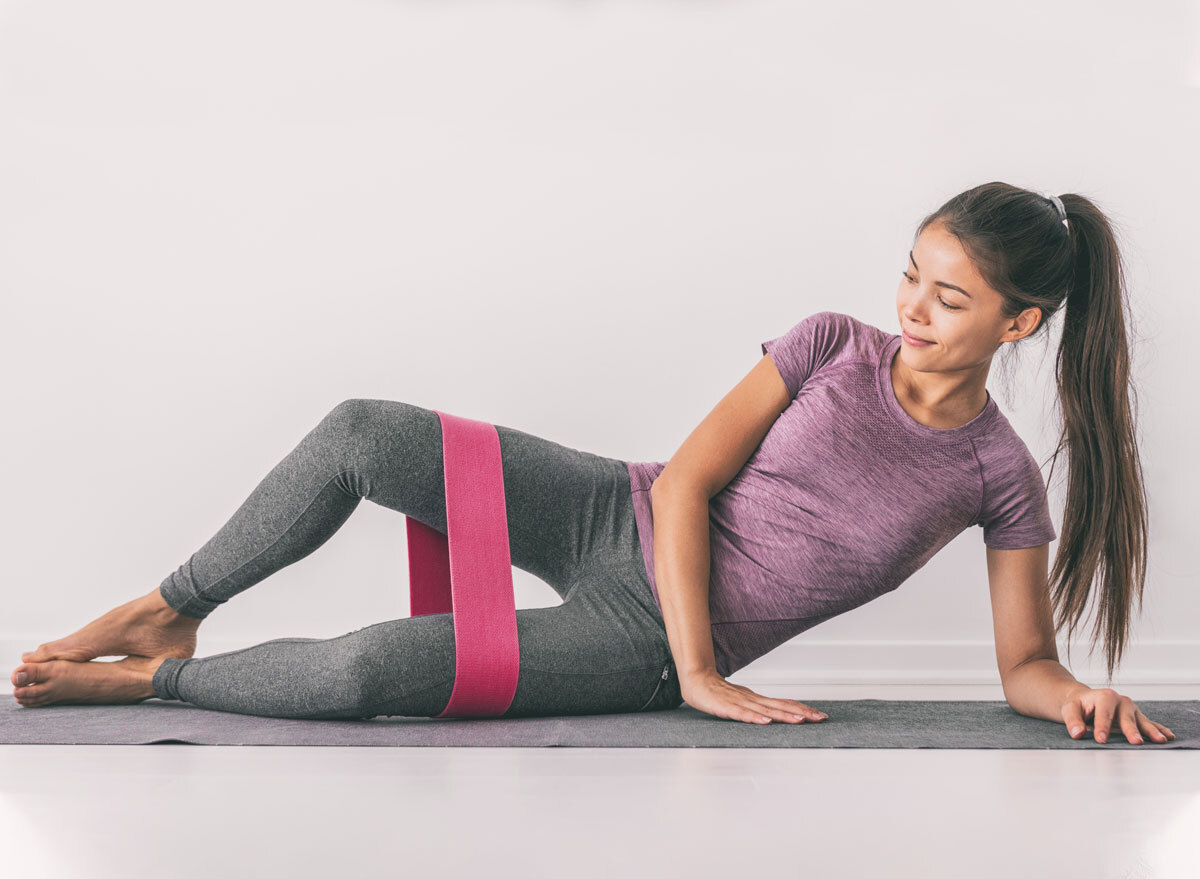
x=603 y=650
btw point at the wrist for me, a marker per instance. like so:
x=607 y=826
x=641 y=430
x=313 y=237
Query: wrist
x=691 y=677
x=1041 y=688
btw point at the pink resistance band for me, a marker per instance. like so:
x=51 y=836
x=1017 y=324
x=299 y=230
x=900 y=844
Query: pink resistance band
x=468 y=570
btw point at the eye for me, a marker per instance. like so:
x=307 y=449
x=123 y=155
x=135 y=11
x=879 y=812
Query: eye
x=913 y=280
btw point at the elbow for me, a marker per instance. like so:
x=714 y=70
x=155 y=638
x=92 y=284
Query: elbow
x=663 y=487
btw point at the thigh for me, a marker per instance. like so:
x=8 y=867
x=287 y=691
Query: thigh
x=566 y=508
x=599 y=652
x=574 y=507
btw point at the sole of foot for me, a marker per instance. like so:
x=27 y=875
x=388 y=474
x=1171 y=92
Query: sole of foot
x=63 y=682
x=146 y=626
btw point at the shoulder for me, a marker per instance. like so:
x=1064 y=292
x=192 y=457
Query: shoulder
x=825 y=337
x=1003 y=454
x=1014 y=507
x=821 y=341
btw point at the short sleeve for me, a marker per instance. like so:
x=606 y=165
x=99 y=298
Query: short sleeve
x=1016 y=513
x=803 y=349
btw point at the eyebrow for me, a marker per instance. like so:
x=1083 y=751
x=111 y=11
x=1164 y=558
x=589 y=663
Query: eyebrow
x=940 y=283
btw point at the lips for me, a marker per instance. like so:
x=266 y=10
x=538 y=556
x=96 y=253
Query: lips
x=915 y=338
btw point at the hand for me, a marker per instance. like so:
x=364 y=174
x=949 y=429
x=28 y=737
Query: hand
x=1104 y=705
x=712 y=694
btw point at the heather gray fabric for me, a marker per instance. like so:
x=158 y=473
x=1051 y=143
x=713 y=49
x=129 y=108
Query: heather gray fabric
x=847 y=495
x=571 y=523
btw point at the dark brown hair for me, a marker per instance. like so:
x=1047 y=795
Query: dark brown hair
x=1016 y=240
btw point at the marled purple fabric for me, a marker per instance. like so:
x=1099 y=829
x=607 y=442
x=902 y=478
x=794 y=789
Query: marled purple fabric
x=847 y=495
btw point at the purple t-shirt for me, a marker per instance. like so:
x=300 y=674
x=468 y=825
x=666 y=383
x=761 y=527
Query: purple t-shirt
x=847 y=495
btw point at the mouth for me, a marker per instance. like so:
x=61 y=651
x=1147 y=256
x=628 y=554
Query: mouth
x=913 y=338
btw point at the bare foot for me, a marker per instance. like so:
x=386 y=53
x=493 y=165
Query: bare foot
x=62 y=682
x=146 y=626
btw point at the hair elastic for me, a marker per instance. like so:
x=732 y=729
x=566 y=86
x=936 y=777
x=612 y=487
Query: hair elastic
x=1062 y=211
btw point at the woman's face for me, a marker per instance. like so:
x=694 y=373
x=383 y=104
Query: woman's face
x=944 y=300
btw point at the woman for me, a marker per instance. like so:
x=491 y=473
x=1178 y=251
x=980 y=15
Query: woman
x=844 y=461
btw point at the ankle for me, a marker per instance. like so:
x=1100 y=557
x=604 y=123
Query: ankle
x=156 y=603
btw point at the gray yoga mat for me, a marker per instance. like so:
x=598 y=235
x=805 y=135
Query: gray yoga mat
x=856 y=723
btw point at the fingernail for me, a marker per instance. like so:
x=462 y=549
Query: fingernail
x=21 y=677
x=822 y=715
x=1076 y=730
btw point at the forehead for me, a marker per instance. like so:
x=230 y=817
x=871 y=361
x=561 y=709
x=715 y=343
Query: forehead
x=937 y=244
x=941 y=259
x=938 y=251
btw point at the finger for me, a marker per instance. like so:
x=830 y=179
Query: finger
x=791 y=706
x=1106 y=707
x=753 y=713
x=1073 y=717
x=787 y=710
x=770 y=708
x=1150 y=728
x=1127 y=718
x=1170 y=735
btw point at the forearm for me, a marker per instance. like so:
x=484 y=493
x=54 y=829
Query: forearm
x=1039 y=689
x=681 y=572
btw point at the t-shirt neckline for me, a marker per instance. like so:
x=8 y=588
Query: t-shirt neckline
x=887 y=394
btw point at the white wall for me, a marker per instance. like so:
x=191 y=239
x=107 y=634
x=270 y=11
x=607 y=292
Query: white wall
x=219 y=219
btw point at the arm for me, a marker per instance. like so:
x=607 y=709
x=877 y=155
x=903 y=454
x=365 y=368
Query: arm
x=1035 y=683
x=708 y=459
x=681 y=571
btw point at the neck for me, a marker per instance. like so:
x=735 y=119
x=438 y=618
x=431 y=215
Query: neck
x=937 y=399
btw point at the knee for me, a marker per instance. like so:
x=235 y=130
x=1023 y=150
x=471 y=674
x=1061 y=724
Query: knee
x=351 y=414
x=404 y=666
x=361 y=669
x=352 y=420
x=378 y=425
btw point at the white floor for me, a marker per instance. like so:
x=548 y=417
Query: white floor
x=199 y=811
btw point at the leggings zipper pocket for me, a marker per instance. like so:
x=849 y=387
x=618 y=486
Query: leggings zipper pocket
x=666 y=673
